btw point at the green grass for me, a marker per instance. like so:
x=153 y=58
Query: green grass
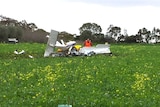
x=130 y=78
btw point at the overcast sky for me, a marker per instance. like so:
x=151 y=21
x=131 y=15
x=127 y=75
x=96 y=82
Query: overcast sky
x=70 y=15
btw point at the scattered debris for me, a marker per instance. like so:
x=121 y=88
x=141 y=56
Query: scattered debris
x=22 y=52
x=30 y=56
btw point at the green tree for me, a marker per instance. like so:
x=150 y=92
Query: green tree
x=99 y=38
x=130 y=39
x=114 y=32
x=138 y=38
x=3 y=33
x=11 y=32
x=89 y=30
x=65 y=36
x=85 y=35
x=19 y=32
x=92 y=27
x=14 y=32
x=144 y=33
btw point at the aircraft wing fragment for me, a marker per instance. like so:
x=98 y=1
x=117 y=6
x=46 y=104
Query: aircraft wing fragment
x=51 y=43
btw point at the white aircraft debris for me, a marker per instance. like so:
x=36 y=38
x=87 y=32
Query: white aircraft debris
x=21 y=52
x=70 y=48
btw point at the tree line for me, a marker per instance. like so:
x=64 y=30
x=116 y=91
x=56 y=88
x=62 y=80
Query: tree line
x=11 y=28
x=113 y=34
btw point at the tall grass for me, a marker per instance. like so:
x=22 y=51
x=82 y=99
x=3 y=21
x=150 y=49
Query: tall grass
x=129 y=78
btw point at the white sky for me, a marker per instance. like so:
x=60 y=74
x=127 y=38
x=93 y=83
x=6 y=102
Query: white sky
x=70 y=15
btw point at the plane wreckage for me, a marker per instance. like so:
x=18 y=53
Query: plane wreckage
x=60 y=48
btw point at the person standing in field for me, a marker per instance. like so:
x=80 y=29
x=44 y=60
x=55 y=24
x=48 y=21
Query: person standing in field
x=87 y=43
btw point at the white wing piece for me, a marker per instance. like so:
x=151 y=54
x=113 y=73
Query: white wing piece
x=16 y=52
x=63 y=45
x=98 y=49
x=51 y=43
x=21 y=52
x=60 y=45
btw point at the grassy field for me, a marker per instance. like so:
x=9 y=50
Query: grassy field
x=130 y=78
